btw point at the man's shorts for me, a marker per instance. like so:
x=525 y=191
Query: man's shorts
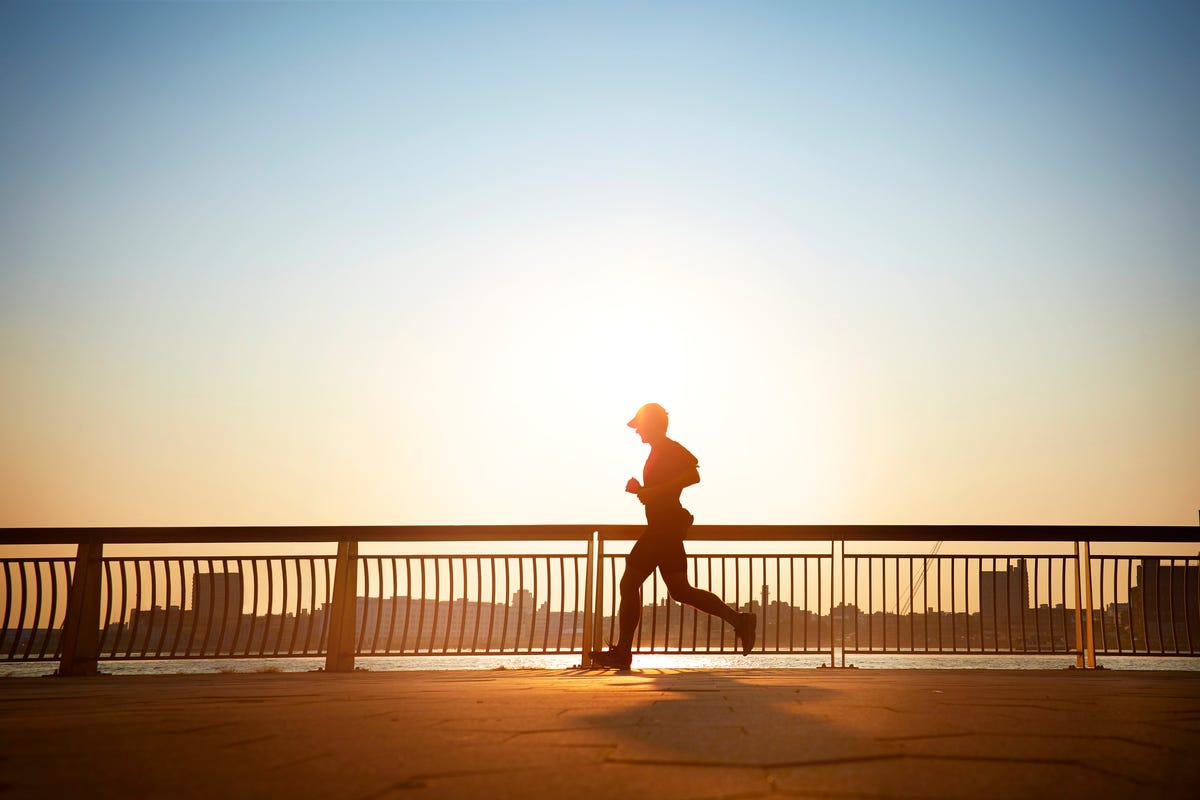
x=661 y=545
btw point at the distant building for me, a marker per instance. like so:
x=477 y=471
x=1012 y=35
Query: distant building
x=1004 y=595
x=1164 y=606
x=523 y=600
x=217 y=598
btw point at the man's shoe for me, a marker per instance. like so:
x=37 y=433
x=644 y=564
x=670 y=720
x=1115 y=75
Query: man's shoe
x=746 y=627
x=612 y=658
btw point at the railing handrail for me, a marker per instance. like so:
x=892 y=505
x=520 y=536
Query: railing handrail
x=581 y=532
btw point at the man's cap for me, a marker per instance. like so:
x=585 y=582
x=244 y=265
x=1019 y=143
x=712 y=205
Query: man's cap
x=648 y=412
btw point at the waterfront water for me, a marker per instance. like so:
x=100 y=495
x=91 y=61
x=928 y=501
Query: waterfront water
x=648 y=661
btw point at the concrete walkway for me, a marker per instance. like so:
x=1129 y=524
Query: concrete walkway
x=555 y=734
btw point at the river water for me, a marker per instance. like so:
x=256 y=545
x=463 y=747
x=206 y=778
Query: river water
x=648 y=661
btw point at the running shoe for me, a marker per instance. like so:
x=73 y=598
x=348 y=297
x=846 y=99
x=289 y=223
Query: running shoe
x=612 y=658
x=745 y=627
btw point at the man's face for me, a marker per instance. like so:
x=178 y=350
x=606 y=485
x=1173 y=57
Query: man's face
x=650 y=430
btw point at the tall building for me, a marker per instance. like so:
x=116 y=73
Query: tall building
x=1165 y=606
x=1004 y=595
x=217 y=596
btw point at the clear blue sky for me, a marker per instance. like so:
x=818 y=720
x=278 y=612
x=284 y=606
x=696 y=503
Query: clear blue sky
x=419 y=262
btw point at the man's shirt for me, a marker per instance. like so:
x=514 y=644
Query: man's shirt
x=667 y=461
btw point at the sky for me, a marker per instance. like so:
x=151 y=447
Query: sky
x=401 y=263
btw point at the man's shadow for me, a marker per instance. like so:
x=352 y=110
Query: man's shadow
x=724 y=718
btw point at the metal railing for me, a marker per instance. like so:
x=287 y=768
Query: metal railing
x=813 y=596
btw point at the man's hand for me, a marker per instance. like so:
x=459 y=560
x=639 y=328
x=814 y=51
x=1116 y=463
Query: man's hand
x=633 y=487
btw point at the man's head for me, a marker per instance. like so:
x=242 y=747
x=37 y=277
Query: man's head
x=650 y=422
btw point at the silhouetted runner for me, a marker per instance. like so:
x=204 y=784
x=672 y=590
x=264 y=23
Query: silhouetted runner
x=669 y=469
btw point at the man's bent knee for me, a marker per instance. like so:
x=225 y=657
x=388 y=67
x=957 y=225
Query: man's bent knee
x=631 y=584
x=679 y=589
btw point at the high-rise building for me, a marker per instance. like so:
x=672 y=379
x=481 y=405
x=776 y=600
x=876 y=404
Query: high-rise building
x=217 y=596
x=1164 y=606
x=1004 y=594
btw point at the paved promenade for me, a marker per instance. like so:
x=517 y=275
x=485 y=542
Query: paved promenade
x=558 y=734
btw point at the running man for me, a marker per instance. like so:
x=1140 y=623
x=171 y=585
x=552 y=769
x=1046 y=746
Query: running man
x=669 y=469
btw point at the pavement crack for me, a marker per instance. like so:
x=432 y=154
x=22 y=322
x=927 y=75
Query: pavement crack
x=834 y=762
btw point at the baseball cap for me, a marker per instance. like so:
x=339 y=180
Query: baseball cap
x=650 y=411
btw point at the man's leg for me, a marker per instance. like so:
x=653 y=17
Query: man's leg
x=620 y=655
x=629 y=616
x=682 y=591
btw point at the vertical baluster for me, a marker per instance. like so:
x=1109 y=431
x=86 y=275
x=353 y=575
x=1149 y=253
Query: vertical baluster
x=421 y=611
x=653 y=612
x=1116 y=604
x=953 y=606
x=21 y=620
x=182 y=605
x=362 y=566
x=724 y=594
x=378 y=606
x=1171 y=598
x=449 y=602
x=153 y=598
x=269 y=568
x=492 y=611
x=614 y=597
x=299 y=602
x=462 y=628
x=105 y=625
x=577 y=617
x=1062 y=595
x=1037 y=608
x=562 y=603
x=708 y=622
x=791 y=603
x=870 y=602
x=283 y=603
x=8 y=607
x=1187 y=618
x=225 y=604
x=883 y=571
x=912 y=607
x=779 y=600
x=35 y=623
x=937 y=565
x=521 y=621
x=667 y=603
x=254 y=615
x=507 y=604
x=1103 y=622
x=408 y=598
x=390 y=646
x=437 y=602
x=805 y=562
x=51 y=625
x=312 y=603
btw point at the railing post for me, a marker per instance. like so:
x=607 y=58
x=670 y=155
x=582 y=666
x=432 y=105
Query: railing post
x=339 y=650
x=598 y=627
x=1091 y=630
x=81 y=629
x=842 y=588
x=589 y=588
x=1079 y=662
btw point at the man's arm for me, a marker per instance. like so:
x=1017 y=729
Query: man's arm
x=688 y=477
